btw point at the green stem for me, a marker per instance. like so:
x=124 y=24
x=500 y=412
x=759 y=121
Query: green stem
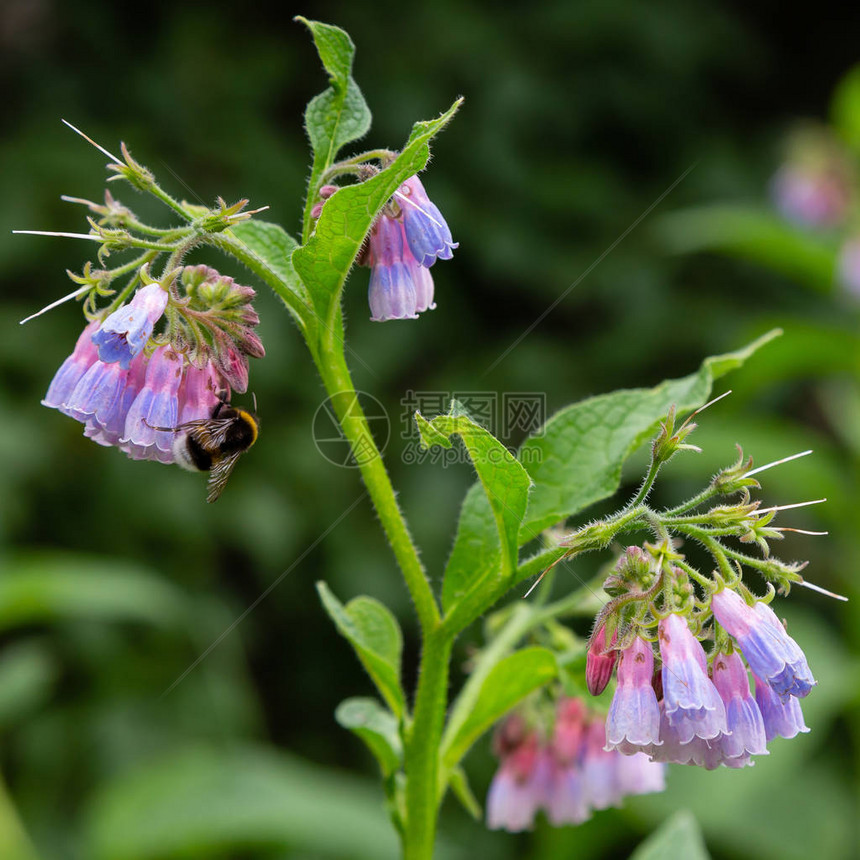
x=338 y=382
x=422 y=748
x=642 y=494
x=707 y=493
x=159 y=193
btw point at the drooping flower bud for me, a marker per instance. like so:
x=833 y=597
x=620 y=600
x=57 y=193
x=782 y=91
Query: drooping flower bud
x=783 y=718
x=407 y=238
x=599 y=661
x=518 y=788
x=155 y=406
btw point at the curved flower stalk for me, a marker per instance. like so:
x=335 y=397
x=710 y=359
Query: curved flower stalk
x=698 y=708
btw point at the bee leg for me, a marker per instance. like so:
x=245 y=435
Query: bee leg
x=162 y=429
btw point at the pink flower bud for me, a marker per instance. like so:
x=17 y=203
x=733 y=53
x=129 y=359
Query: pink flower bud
x=600 y=661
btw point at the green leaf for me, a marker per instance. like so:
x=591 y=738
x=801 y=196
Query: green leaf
x=505 y=484
x=377 y=727
x=459 y=783
x=845 y=108
x=274 y=246
x=226 y=803
x=375 y=635
x=575 y=463
x=507 y=684
x=339 y=115
x=28 y=671
x=677 y=838
x=753 y=234
x=42 y=588
x=577 y=459
x=325 y=260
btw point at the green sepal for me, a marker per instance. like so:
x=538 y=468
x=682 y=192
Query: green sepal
x=375 y=635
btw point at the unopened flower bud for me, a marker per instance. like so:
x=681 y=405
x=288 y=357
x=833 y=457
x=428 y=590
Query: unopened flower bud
x=600 y=661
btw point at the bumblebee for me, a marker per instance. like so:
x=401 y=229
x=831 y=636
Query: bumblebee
x=215 y=444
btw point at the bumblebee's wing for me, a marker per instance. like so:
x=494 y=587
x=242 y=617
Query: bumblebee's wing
x=210 y=433
x=219 y=473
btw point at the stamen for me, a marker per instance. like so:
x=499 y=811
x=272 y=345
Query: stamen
x=55 y=304
x=789 y=507
x=777 y=463
x=248 y=213
x=800 y=531
x=90 y=140
x=67 y=235
x=67 y=199
x=712 y=402
x=416 y=206
x=806 y=584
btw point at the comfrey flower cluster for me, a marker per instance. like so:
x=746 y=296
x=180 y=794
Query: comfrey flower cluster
x=568 y=776
x=698 y=708
x=131 y=388
x=405 y=241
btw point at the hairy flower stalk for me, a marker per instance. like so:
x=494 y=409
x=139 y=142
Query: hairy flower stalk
x=702 y=711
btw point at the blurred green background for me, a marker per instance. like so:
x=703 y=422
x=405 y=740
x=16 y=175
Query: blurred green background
x=115 y=576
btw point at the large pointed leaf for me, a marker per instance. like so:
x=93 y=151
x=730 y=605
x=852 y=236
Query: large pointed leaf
x=375 y=635
x=505 y=484
x=324 y=261
x=577 y=458
x=272 y=244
